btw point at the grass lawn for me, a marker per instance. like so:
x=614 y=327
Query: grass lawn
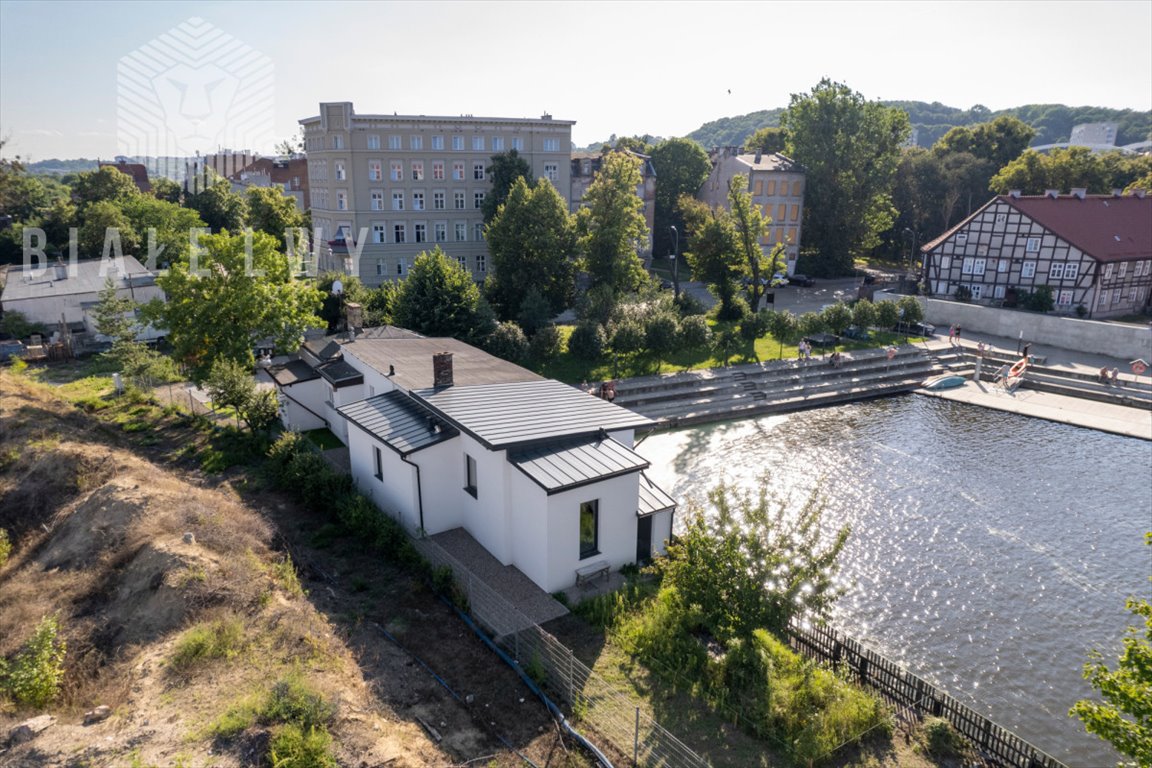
x=322 y=438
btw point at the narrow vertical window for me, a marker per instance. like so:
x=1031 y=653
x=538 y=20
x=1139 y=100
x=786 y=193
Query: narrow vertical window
x=589 y=528
x=470 y=475
x=378 y=461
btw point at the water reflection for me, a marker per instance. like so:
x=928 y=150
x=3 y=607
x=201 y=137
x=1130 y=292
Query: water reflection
x=989 y=551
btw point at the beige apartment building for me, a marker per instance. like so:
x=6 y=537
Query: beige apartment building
x=391 y=186
x=777 y=186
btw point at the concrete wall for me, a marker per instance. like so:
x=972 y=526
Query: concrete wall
x=1128 y=342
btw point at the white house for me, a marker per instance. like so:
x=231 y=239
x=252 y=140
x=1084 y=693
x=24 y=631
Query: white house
x=67 y=292
x=445 y=436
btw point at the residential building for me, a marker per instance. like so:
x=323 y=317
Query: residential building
x=288 y=174
x=585 y=166
x=1092 y=251
x=138 y=172
x=386 y=187
x=776 y=184
x=444 y=436
x=66 y=292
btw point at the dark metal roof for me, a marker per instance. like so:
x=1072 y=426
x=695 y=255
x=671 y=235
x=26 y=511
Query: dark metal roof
x=560 y=466
x=526 y=412
x=398 y=421
x=292 y=372
x=653 y=499
x=341 y=374
x=411 y=358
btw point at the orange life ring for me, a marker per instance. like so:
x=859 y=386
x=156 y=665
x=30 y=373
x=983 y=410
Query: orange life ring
x=1019 y=368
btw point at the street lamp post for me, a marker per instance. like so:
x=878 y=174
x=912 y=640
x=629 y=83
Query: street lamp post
x=675 y=263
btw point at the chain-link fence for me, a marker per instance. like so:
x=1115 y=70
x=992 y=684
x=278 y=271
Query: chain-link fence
x=613 y=714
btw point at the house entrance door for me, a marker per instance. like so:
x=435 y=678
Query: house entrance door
x=644 y=539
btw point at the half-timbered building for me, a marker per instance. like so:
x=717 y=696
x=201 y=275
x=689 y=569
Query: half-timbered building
x=1092 y=251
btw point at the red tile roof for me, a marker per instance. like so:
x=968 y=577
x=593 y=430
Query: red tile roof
x=1105 y=227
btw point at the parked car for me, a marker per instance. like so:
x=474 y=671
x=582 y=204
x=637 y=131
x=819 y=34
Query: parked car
x=801 y=280
x=856 y=333
x=10 y=349
x=916 y=329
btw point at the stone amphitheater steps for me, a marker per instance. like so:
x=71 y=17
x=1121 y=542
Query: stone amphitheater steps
x=695 y=397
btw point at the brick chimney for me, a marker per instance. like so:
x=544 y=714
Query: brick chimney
x=442 y=369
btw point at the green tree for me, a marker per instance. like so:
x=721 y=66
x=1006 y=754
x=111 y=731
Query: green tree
x=661 y=335
x=681 y=167
x=532 y=244
x=16 y=325
x=864 y=314
x=167 y=190
x=351 y=290
x=223 y=299
x=837 y=317
x=998 y=142
x=782 y=326
x=910 y=309
x=713 y=252
x=751 y=223
x=887 y=314
x=695 y=333
x=769 y=140
x=105 y=224
x=115 y=316
x=849 y=148
x=103 y=185
x=751 y=563
x=587 y=341
x=1124 y=716
x=1064 y=169
x=171 y=223
x=231 y=385
x=611 y=226
x=219 y=207
x=273 y=212
x=535 y=313
x=439 y=298
x=507 y=341
x=505 y=170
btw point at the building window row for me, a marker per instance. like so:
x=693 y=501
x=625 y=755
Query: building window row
x=415 y=143
x=419 y=232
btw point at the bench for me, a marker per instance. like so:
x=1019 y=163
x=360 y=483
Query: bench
x=588 y=573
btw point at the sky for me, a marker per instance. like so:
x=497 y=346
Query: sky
x=658 y=68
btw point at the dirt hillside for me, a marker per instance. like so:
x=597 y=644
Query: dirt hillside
x=146 y=563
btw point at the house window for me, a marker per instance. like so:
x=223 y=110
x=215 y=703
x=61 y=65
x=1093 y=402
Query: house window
x=478 y=143
x=945 y=263
x=458 y=200
x=998 y=292
x=1056 y=271
x=416 y=142
x=1123 y=270
x=968 y=264
x=337 y=142
x=978 y=267
x=976 y=290
x=794 y=212
x=437 y=142
x=373 y=142
x=417 y=201
x=1032 y=245
x=478 y=171
x=1108 y=271
x=374 y=170
x=1133 y=294
x=396 y=170
x=393 y=142
x=518 y=143
x=378 y=463
x=417 y=170
x=438 y=201
x=478 y=235
x=380 y=268
x=421 y=233
x=458 y=143
x=1028 y=270
x=1003 y=265
x=497 y=143
x=589 y=528
x=1064 y=298
x=441 y=232
x=399 y=233
x=458 y=171
x=481 y=263
x=438 y=170
x=552 y=171
x=378 y=235
x=1071 y=270
x=377 y=200
x=551 y=145
x=339 y=171
x=470 y=475
x=400 y=267
x=397 y=201
x=461 y=231
x=462 y=261
x=795 y=189
x=962 y=239
x=477 y=199
x=341 y=201
x=771 y=190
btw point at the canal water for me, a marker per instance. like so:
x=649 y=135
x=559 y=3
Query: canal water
x=990 y=552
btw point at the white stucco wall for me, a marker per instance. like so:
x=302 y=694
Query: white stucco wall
x=396 y=494
x=661 y=532
x=302 y=405
x=442 y=484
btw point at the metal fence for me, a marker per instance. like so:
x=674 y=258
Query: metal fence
x=615 y=715
x=904 y=689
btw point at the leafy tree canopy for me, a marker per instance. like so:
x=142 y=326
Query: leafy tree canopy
x=1063 y=169
x=273 y=212
x=103 y=185
x=611 y=226
x=505 y=169
x=681 y=167
x=768 y=140
x=439 y=298
x=224 y=299
x=713 y=250
x=219 y=207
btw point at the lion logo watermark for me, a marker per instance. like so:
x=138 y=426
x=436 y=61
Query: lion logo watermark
x=194 y=88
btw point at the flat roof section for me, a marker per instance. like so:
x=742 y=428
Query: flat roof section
x=411 y=358
x=522 y=413
x=561 y=466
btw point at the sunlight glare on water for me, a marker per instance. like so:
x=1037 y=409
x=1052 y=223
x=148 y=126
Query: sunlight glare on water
x=989 y=552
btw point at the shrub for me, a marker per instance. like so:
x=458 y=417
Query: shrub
x=963 y=293
x=507 y=342
x=5 y=547
x=1081 y=310
x=627 y=337
x=292 y=701
x=587 y=341
x=689 y=306
x=597 y=305
x=546 y=344
x=736 y=309
x=293 y=747
x=535 y=312
x=941 y=739
x=695 y=333
x=754 y=326
x=220 y=639
x=35 y=675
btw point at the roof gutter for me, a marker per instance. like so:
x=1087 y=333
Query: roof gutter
x=419 y=491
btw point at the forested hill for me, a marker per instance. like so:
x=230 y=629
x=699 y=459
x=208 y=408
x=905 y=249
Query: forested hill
x=1053 y=122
